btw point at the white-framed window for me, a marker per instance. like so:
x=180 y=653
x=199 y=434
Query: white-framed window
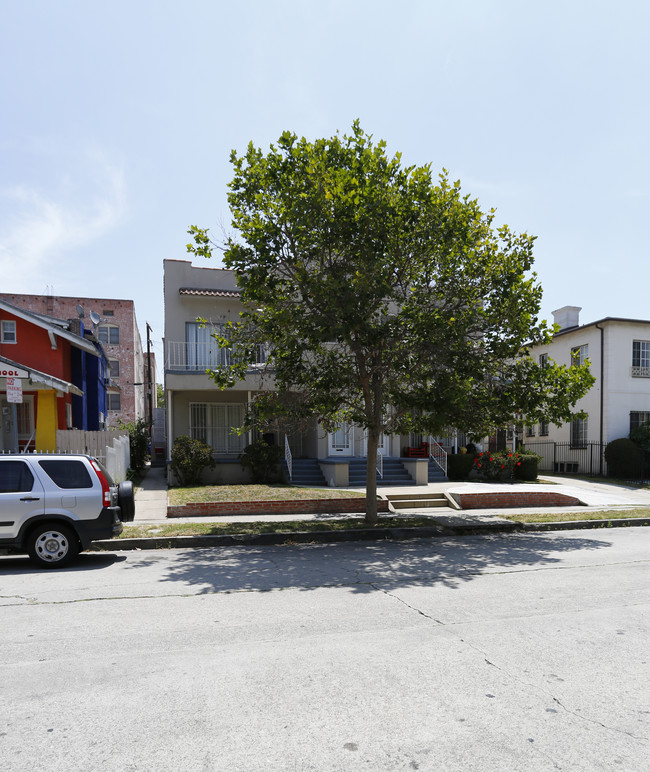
x=638 y=417
x=641 y=358
x=8 y=331
x=579 y=429
x=114 y=400
x=530 y=430
x=543 y=360
x=109 y=333
x=214 y=422
x=543 y=429
x=579 y=354
x=114 y=365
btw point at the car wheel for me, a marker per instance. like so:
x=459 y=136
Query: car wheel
x=126 y=501
x=52 y=545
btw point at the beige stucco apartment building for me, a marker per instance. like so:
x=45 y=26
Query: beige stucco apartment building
x=196 y=407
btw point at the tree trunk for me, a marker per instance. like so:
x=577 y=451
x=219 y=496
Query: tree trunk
x=371 y=477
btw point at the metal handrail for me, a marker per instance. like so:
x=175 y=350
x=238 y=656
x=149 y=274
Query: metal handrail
x=438 y=454
x=380 y=465
x=288 y=458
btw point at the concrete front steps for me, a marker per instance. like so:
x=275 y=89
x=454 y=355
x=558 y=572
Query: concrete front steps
x=394 y=473
x=418 y=500
x=306 y=471
x=435 y=473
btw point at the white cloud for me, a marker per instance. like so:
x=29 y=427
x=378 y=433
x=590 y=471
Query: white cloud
x=39 y=227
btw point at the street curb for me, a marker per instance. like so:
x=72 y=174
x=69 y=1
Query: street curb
x=571 y=525
x=358 y=534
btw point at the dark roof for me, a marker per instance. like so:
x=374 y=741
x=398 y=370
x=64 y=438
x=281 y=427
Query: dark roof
x=215 y=293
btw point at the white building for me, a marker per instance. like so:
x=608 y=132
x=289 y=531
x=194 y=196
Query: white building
x=618 y=351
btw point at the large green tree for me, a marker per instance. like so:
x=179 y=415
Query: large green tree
x=388 y=298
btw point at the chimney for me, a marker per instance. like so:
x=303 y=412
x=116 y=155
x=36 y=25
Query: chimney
x=567 y=317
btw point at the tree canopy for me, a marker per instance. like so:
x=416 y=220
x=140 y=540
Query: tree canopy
x=388 y=298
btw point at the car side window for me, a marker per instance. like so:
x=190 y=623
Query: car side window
x=67 y=473
x=15 y=477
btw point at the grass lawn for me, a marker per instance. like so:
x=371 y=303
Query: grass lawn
x=342 y=524
x=561 y=517
x=203 y=493
x=285 y=526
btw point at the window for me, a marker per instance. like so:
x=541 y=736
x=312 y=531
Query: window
x=114 y=365
x=579 y=354
x=543 y=429
x=213 y=423
x=530 y=430
x=638 y=417
x=543 y=360
x=108 y=312
x=108 y=333
x=114 y=402
x=579 y=433
x=67 y=473
x=8 y=331
x=25 y=417
x=203 y=351
x=15 y=477
x=641 y=358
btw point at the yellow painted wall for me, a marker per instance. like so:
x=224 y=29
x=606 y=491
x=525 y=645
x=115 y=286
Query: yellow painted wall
x=46 y=420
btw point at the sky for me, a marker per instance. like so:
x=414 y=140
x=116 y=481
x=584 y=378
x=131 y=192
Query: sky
x=119 y=118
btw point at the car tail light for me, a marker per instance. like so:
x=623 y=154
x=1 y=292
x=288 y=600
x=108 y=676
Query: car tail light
x=106 y=488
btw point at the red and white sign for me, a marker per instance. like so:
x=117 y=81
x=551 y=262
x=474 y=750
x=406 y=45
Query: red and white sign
x=12 y=372
x=14 y=390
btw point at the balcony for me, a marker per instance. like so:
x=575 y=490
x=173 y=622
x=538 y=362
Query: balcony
x=639 y=372
x=198 y=357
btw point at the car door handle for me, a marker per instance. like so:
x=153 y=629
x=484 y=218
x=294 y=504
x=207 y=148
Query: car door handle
x=31 y=498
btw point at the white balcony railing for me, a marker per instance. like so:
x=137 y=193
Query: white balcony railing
x=201 y=356
x=640 y=372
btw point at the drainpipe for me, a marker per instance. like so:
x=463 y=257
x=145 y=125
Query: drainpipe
x=602 y=391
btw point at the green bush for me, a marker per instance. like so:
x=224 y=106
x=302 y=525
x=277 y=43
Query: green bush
x=139 y=439
x=527 y=469
x=641 y=436
x=624 y=459
x=189 y=459
x=459 y=466
x=262 y=459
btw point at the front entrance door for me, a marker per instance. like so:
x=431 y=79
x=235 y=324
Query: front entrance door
x=340 y=441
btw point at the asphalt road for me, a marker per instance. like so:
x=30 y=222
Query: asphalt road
x=518 y=652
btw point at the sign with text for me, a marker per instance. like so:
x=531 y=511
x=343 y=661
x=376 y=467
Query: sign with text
x=14 y=390
x=6 y=371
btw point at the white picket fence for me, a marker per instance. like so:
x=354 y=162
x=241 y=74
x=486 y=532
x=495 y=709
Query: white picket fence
x=110 y=446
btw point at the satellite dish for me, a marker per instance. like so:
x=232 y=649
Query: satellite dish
x=80 y=311
x=94 y=317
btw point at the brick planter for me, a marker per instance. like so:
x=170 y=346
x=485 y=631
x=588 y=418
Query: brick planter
x=506 y=500
x=294 y=507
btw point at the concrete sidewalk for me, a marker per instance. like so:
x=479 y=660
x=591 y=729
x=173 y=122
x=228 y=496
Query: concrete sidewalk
x=151 y=500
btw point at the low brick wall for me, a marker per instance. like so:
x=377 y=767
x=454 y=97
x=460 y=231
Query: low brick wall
x=506 y=500
x=294 y=507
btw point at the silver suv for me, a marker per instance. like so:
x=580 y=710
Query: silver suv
x=53 y=505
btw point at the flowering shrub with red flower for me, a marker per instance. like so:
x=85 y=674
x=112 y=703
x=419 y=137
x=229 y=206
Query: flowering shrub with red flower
x=496 y=466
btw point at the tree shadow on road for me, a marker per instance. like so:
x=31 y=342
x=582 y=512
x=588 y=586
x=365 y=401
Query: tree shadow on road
x=361 y=565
